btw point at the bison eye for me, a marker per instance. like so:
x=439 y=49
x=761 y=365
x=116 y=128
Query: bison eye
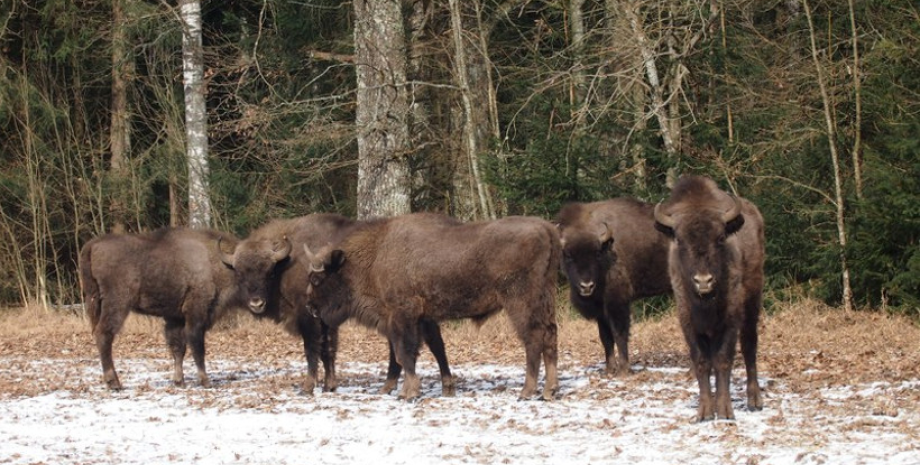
x=721 y=239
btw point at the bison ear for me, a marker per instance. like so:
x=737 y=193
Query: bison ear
x=734 y=225
x=335 y=261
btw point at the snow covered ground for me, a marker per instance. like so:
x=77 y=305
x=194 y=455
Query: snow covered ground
x=258 y=416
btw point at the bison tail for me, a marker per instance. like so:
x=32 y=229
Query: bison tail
x=89 y=287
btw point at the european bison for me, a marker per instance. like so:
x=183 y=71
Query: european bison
x=612 y=256
x=175 y=274
x=716 y=268
x=271 y=272
x=391 y=274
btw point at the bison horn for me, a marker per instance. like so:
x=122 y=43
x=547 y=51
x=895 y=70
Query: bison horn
x=224 y=257
x=603 y=233
x=284 y=251
x=662 y=217
x=732 y=212
x=311 y=259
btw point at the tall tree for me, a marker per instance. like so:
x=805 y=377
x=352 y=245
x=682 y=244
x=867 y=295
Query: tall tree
x=471 y=66
x=196 y=123
x=382 y=109
x=120 y=129
x=831 y=127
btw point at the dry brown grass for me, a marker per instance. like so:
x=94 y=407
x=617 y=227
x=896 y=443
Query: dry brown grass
x=806 y=343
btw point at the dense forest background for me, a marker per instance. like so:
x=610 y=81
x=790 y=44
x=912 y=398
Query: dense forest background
x=810 y=108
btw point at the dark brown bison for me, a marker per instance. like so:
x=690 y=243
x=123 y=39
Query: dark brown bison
x=716 y=268
x=612 y=255
x=271 y=273
x=175 y=274
x=391 y=274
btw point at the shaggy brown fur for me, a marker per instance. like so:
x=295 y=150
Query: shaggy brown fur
x=612 y=255
x=175 y=274
x=389 y=274
x=272 y=273
x=716 y=269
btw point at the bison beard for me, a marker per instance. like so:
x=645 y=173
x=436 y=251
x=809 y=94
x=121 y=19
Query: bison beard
x=394 y=274
x=611 y=257
x=716 y=268
x=174 y=274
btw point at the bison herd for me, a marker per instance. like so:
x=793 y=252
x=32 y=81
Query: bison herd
x=405 y=275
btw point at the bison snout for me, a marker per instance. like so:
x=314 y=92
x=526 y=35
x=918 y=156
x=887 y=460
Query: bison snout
x=256 y=305
x=586 y=288
x=704 y=283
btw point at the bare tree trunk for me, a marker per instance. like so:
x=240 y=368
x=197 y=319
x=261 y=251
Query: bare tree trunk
x=196 y=117
x=577 y=28
x=857 y=87
x=659 y=109
x=120 y=130
x=471 y=77
x=835 y=158
x=382 y=109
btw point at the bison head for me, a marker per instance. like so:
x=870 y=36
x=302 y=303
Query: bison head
x=321 y=265
x=254 y=263
x=699 y=234
x=586 y=257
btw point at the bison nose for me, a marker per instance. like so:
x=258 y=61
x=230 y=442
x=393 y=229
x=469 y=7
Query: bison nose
x=586 y=288
x=703 y=282
x=257 y=305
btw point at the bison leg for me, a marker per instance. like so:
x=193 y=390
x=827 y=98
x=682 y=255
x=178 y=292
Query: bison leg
x=405 y=340
x=104 y=333
x=394 y=369
x=175 y=339
x=312 y=335
x=431 y=332
x=722 y=365
x=329 y=349
x=195 y=335
x=536 y=328
x=702 y=368
x=606 y=335
x=618 y=318
x=749 y=352
x=550 y=359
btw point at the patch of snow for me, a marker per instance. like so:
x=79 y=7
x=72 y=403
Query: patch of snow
x=258 y=416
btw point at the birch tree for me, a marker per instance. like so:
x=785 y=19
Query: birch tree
x=664 y=45
x=199 y=200
x=835 y=159
x=475 y=84
x=382 y=109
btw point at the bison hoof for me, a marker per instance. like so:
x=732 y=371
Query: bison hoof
x=448 y=389
x=754 y=403
x=388 y=387
x=112 y=383
x=409 y=397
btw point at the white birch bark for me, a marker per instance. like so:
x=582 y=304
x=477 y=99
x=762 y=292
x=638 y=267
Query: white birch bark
x=471 y=127
x=835 y=159
x=199 y=199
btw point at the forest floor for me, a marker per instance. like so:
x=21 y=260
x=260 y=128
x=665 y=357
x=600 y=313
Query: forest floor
x=839 y=388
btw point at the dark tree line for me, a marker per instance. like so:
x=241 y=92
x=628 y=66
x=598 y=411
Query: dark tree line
x=479 y=109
